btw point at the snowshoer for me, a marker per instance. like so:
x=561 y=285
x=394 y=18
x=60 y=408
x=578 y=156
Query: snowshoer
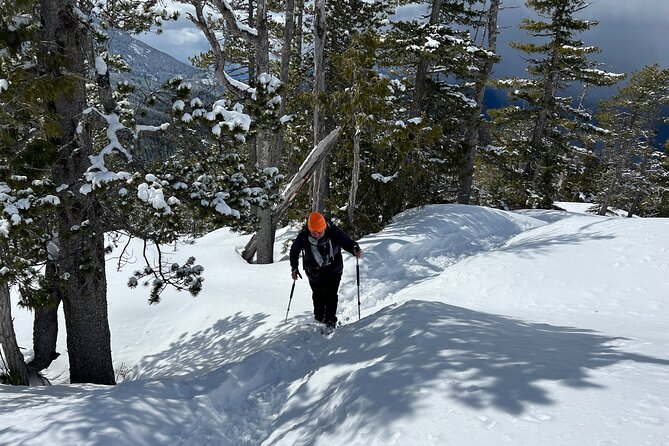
x=320 y=244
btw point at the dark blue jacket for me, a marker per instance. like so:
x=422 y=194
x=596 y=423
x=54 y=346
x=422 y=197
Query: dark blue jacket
x=328 y=248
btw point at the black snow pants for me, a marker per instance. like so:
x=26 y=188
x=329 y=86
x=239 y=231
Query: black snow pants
x=324 y=296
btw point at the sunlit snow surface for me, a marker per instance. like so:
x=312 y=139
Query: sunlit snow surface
x=479 y=327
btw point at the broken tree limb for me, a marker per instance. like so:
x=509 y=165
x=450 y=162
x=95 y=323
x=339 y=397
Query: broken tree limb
x=293 y=188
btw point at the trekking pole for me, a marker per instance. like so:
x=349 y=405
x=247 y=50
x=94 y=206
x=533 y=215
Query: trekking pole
x=292 y=290
x=357 y=273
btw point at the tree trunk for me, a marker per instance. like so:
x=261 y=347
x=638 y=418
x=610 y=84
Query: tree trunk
x=300 y=32
x=264 y=140
x=291 y=191
x=606 y=202
x=45 y=327
x=81 y=234
x=355 y=174
x=284 y=75
x=636 y=201
x=16 y=364
x=321 y=175
x=472 y=134
x=45 y=335
x=252 y=65
x=424 y=65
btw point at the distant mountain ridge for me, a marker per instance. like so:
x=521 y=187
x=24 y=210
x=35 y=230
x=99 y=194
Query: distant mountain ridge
x=148 y=64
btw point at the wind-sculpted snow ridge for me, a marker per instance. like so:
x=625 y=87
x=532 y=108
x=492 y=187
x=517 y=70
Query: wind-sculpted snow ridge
x=421 y=243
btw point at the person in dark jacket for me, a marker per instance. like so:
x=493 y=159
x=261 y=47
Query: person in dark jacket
x=320 y=244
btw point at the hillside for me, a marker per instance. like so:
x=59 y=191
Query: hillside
x=148 y=64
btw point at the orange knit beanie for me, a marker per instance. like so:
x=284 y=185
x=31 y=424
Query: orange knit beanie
x=316 y=222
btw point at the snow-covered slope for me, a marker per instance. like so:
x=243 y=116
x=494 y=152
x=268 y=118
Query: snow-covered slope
x=478 y=327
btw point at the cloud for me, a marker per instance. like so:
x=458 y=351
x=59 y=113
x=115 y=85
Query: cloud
x=642 y=11
x=179 y=39
x=183 y=36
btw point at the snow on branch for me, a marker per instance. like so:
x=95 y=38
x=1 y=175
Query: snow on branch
x=237 y=26
x=98 y=173
x=594 y=74
x=384 y=179
x=240 y=86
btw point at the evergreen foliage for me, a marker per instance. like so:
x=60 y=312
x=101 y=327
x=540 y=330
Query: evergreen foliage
x=630 y=164
x=540 y=130
x=67 y=173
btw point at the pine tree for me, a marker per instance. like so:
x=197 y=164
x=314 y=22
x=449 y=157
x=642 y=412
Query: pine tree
x=631 y=165
x=67 y=174
x=556 y=61
x=375 y=173
x=442 y=60
x=481 y=74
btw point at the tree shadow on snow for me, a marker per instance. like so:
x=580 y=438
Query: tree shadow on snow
x=406 y=353
x=228 y=340
x=167 y=405
x=534 y=246
x=232 y=385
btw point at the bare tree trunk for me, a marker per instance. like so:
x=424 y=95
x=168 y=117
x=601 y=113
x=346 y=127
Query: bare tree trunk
x=472 y=135
x=11 y=352
x=355 y=174
x=286 y=54
x=321 y=176
x=82 y=251
x=264 y=140
x=424 y=66
x=301 y=178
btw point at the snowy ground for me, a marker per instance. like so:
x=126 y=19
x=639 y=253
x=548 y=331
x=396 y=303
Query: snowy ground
x=479 y=327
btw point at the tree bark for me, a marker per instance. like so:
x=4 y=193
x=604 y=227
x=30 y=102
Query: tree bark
x=355 y=174
x=286 y=53
x=313 y=160
x=472 y=134
x=264 y=140
x=424 y=65
x=16 y=364
x=45 y=326
x=81 y=235
x=321 y=175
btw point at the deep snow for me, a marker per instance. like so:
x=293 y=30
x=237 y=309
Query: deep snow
x=479 y=327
